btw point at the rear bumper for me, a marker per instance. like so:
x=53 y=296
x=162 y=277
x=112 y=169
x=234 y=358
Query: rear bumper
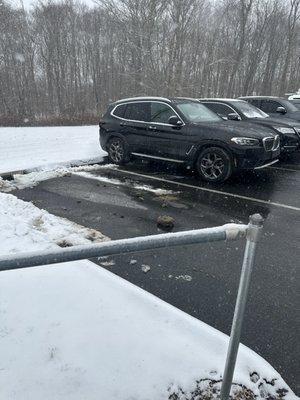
x=103 y=138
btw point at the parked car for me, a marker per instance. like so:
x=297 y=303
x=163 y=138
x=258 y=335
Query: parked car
x=295 y=99
x=183 y=130
x=274 y=106
x=240 y=110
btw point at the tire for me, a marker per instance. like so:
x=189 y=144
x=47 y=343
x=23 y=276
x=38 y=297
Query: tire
x=117 y=151
x=214 y=164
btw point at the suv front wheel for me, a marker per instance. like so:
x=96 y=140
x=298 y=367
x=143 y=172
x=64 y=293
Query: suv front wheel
x=117 y=151
x=214 y=164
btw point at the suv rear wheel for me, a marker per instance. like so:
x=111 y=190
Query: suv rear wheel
x=117 y=151
x=214 y=164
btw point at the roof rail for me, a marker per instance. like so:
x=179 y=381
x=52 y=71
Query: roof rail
x=142 y=98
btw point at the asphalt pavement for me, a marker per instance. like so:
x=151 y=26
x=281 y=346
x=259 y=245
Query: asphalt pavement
x=200 y=279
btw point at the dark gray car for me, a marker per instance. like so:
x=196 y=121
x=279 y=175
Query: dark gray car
x=274 y=106
x=235 y=109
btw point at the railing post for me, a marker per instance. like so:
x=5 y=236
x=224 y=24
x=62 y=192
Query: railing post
x=253 y=235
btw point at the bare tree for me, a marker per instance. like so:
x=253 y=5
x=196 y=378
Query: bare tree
x=65 y=60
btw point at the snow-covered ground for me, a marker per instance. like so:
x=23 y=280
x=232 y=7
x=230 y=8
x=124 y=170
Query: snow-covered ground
x=75 y=331
x=28 y=148
x=24 y=227
x=30 y=179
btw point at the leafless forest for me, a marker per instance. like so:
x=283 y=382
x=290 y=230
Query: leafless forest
x=65 y=61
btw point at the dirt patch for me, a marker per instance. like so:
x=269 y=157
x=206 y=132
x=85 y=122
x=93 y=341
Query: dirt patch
x=209 y=389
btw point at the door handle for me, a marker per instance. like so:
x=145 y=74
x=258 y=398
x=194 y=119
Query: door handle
x=152 y=128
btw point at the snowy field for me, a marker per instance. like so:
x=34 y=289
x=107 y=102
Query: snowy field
x=30 y=148
x=76 y=331
x=24 y=227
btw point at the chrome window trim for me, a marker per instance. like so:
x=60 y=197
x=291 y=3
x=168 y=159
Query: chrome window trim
x=146 y=122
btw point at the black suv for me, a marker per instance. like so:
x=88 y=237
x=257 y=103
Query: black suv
x=240 y=110
x=185 y=131
x=274 y=106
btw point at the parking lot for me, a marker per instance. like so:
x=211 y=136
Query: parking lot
x=201 y=280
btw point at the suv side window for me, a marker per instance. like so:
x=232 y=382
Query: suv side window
x=269 y=106
x=254 y=102
x=138 y=111
x=120 y=110
x=161 y=112
x=222 y=109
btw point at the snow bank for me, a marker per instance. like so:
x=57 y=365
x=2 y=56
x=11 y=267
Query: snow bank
x=29 y=148
x=22 y=181
x=24 y=227
x=113 y=181
x=75 y=331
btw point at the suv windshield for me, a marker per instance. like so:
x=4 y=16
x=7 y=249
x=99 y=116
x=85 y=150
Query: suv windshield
x=249 y=110
x=196 y=112
x=290 y=107
x=296 y=103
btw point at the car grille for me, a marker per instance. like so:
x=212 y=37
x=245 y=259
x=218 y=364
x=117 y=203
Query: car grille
x=271 y=143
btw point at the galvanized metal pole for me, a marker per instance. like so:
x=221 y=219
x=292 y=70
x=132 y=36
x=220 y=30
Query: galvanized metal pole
x=253 y=235
x=207 y=235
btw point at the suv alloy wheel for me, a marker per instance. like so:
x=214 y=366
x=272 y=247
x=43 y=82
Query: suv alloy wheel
x=214 y=164
x=117 y=151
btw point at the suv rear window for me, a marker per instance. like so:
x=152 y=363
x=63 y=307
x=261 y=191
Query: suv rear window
x=138 y=111
x=254 y=102
x=120 y=110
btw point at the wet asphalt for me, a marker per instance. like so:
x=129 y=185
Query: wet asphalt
x=201 y=280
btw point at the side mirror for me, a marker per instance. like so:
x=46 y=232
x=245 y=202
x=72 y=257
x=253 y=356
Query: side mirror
x=233 y=117
x=281 y=110
x=175 y=121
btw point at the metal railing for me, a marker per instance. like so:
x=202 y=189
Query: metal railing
x=223 y=233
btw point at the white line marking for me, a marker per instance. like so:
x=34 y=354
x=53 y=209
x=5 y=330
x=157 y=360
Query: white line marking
x=238 y=196
x=285 y=169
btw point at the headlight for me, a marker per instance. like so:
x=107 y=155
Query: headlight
x=244 y=141
x=283 y=129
